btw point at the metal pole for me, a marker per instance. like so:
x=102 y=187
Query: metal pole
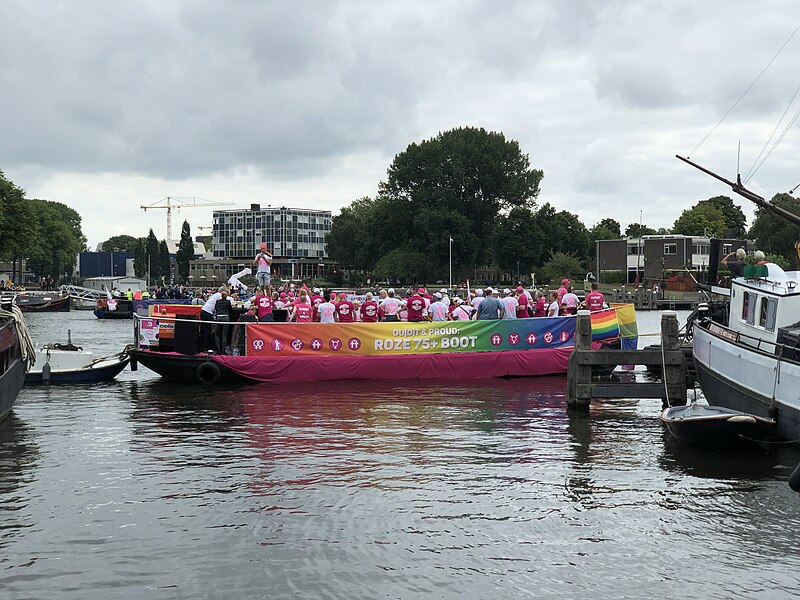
x=450 y=245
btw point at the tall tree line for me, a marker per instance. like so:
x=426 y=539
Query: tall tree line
x=44 y=233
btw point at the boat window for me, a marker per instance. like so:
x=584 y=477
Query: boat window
x=762 y=314
x=772 y=311
x=749 y=308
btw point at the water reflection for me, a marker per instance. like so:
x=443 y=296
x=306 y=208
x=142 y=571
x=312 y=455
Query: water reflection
x=19 y=456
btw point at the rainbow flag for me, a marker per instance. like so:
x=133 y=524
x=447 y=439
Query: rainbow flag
x=605 y=324
x=626 y=314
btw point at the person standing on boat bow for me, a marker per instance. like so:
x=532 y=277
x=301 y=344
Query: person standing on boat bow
x=262 y=261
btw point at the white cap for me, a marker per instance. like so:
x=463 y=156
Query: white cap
x=443 y=290
x=390 y=291
x=315 y=290
x=457 y=300
x=506 y=291
x=479 y=292
x=438 y=295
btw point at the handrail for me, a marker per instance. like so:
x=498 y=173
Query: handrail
x=778 y=346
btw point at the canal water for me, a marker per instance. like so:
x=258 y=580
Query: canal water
x=144 y=489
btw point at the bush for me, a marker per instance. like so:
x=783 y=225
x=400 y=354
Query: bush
x=613 y=277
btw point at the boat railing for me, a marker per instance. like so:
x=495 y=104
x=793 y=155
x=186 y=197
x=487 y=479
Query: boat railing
x=783 y=352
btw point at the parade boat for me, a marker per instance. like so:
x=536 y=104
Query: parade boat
x=68 y=363
x=295 y=352
x=748 y=357
x=16 y=355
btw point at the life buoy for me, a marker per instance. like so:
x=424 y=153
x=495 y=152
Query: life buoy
x=208 y=372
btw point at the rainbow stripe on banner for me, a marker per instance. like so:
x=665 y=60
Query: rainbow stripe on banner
x=381 y=339
x=605 y=324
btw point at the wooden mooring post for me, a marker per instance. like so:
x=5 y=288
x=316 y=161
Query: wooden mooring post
x=581 y=389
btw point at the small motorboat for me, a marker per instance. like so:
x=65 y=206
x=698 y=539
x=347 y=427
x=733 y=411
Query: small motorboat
x=67 y=363
x=715 y=426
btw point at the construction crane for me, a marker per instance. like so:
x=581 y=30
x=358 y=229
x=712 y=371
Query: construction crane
x=171 y=202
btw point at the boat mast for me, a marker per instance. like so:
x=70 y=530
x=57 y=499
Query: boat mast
x=738 y=188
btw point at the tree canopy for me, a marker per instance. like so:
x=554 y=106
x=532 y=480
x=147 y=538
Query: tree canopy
x=702 y=219
x=774 y=234
x=119 y=243
x=457 y=185
x=635 y=230
x=735 y=221
x=46 y=234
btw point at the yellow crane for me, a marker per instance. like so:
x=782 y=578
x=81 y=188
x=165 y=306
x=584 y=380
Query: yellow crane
x=171 y=202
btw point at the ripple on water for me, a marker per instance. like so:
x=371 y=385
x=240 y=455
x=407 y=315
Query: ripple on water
x=373 y=489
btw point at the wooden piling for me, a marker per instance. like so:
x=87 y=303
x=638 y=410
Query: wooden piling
x=581 y=389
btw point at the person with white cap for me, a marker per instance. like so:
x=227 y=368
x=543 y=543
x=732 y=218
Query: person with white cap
x=476 y=301
x=445 y=296
x=316 y=300
x=509 y=304
x=490 y=308
x=462 y=311
x=438 y=309
x=390 y=307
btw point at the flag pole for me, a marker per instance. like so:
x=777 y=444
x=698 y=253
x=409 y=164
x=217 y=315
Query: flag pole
x=450 y=245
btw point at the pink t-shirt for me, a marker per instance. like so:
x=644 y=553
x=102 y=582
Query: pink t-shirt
x=594 y=301
x=264 y=305
x=390 y=306
x=438 y=311
x=345 y=311
x=303 y=312
x=369 y=312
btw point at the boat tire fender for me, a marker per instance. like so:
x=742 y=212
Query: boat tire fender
x=794 y=479
x=208 y=372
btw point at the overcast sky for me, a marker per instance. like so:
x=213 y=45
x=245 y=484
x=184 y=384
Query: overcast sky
x=107 y=106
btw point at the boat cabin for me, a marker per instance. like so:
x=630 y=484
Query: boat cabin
x=763 y=301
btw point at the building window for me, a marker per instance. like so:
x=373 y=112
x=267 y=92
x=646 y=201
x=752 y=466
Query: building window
x=670 y=249
x=633 y=250
x=726 y=249
x=701 y=249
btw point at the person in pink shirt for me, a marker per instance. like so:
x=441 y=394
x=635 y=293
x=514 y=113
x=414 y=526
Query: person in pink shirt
x=594 y=300
x=522 y=303
x=302 y=311
x=345 y=310
x=563 y=289
x=462 y=311
x=416 y=307
x=540 y=305
x=391 y=306
x=316 y=300
x=263 y=304
x=369 y=310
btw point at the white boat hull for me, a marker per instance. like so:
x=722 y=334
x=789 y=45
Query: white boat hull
x=738 y=376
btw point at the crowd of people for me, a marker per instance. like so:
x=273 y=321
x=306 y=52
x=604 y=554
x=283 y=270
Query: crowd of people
x=304 y=305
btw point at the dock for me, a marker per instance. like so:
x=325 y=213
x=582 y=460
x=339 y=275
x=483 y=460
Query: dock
x=669 y=358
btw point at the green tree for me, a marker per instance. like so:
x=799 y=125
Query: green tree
x=702 y=219
x=562 y=231
x=634 y=230
x=164 y=266
x=140 y=258
x=59 y=229
x=185 y=252
x=152 y=256
x=119 y=243
x=518 y=241
x=775 y=234
x=606 y=229
x=19 y=232
x=466 y=171
x=735 y=221
x=562 y=265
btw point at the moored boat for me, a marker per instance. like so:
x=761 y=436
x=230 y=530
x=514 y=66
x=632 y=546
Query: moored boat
x=16 y=350
x=41 y=302
x=715 y=426
x=67 y=363
x=748 y=357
